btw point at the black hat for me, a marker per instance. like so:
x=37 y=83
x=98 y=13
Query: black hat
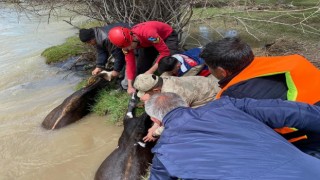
x=86 y=35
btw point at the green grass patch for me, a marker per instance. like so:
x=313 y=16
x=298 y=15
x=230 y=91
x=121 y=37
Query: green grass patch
x=72 y=47
x=265 y=25
x=111 y=102
x=90 y=24
x=147 y=175
x=139 y=111
x=114 y=103
x=81 y=84
x=301 y=3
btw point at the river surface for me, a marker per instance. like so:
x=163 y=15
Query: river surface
x=29 y=90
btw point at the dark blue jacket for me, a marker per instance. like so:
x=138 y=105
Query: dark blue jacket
x=193 y=54
x=232 y=139
x=272 y=87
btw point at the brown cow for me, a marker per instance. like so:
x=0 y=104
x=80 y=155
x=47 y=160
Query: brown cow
x=76 y=105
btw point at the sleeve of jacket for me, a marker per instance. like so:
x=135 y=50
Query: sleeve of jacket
x=102 y=57
x=119 y=60
x=278 y=113
x=130 y=65
x=159 y=44
x=158 y=171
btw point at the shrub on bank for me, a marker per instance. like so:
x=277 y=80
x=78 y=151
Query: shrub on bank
x=72 y=47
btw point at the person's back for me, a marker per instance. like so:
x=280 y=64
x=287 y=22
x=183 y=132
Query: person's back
x=230 y=139
x=146 y=32
x=196 y=90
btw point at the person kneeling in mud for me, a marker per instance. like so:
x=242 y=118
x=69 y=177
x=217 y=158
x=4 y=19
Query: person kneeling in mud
x=195 y=90
x=187 y=63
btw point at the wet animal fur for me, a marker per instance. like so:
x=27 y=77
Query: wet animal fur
x=76 y=105
x=130 y=160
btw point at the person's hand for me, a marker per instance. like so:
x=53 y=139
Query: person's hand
x=131 y=90
x=96 y=71
x=152 y=69
x=149 y=137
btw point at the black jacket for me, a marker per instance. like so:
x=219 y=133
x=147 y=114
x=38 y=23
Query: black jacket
x=268 y=87
x=105 y=47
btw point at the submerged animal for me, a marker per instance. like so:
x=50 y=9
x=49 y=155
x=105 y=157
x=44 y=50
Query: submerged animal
x=76 y=105
x=132 y=157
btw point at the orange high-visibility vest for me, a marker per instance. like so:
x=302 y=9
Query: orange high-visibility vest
x=302 y=79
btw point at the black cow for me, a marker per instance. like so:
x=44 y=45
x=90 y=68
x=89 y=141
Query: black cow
x=76 y=105
x=132 y=158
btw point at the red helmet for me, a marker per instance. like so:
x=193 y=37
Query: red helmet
x=120 y=36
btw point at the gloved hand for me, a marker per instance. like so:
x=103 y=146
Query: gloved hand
x=107 y=75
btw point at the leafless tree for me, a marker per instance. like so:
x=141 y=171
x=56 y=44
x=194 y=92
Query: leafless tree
x=178 y=13
x=174 y=12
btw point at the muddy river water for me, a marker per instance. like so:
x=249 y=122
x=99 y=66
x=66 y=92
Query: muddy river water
x=29 y=90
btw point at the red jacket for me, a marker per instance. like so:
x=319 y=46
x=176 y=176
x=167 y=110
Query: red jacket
x=151 y=33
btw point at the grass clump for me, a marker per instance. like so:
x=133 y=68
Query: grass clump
x=257 y=27
x=90 y=24
x=72 y=47
x=139 y=111
x=114 y=103
x=111 y=102
x=81 y=84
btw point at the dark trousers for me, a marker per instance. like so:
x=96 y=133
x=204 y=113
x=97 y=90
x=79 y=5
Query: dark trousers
x=145 y=57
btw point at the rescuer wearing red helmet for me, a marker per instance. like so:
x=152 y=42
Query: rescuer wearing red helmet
x=153 y=39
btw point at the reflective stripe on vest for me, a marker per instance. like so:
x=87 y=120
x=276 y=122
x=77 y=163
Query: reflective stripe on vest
x=302 y=79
